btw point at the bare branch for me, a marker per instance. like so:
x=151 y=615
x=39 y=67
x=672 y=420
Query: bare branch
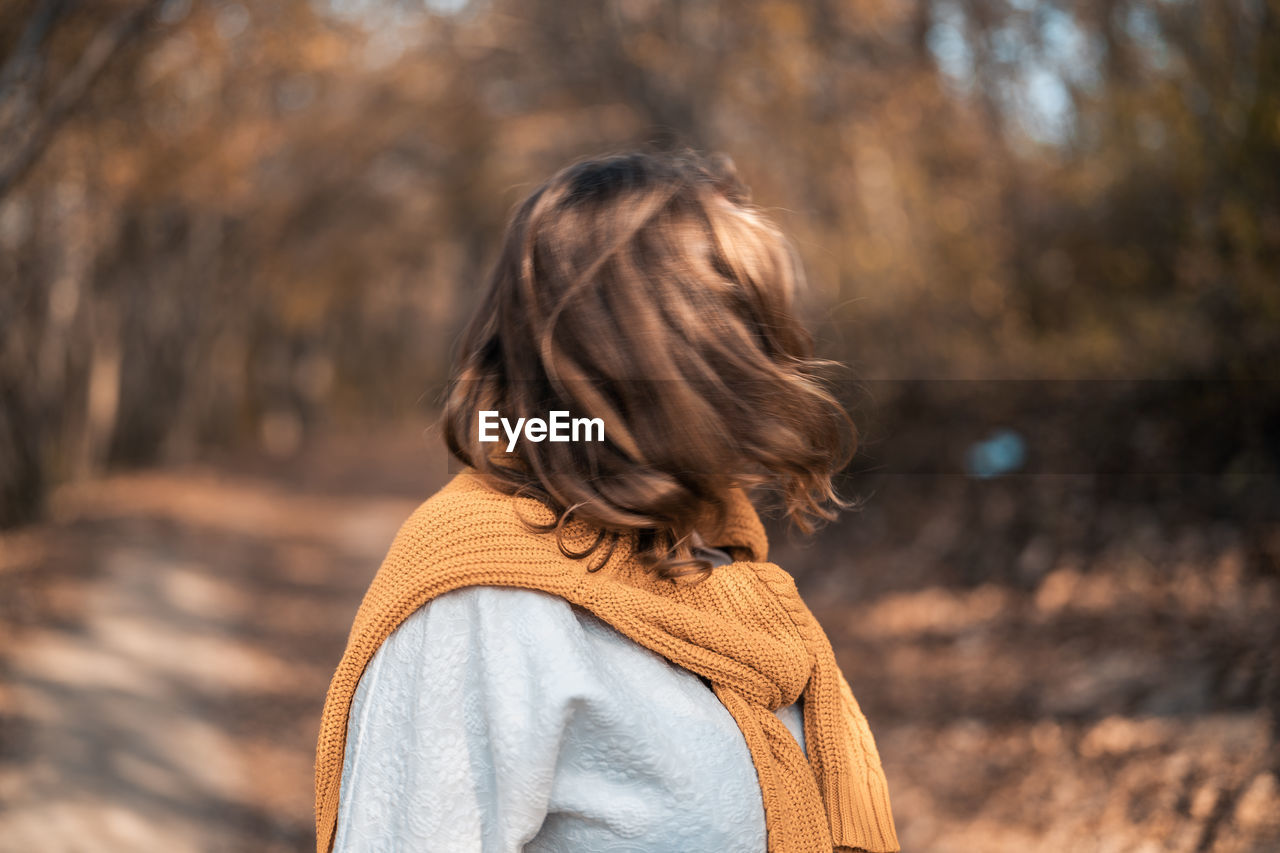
x=72 y=90
x=27 y=50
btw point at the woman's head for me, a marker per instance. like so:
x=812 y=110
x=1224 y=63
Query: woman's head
x=647 y=291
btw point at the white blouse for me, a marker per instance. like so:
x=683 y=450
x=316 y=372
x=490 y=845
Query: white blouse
x=498 y=720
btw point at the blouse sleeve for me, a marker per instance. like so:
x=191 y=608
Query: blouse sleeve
x=456 y=725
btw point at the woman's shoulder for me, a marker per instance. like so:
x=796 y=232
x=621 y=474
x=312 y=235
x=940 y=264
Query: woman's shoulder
x=513 y=629
x=516 y=635
x=467 y=533
x=482 y=608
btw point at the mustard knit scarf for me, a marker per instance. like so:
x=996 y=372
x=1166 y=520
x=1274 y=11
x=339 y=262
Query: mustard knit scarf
x=744 y=628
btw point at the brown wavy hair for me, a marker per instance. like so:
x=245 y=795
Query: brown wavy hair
x=647 y=290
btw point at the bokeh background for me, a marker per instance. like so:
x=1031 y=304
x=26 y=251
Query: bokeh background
x=237 y=241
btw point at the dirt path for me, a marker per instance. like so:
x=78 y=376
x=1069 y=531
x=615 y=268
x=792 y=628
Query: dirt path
x=168 y=695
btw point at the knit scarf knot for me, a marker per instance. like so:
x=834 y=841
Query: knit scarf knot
x=744 y=628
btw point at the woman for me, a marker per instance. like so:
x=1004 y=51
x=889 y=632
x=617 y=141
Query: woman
x=578 y=644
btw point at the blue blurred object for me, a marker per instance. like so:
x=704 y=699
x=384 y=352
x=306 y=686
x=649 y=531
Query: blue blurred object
x=1002 y=453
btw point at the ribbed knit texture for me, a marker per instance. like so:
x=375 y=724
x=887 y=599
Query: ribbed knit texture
x=744 y=628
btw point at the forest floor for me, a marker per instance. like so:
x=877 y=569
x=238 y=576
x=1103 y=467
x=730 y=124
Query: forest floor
x=166 y=639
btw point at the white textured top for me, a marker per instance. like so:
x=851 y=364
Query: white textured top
x=498 y=720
